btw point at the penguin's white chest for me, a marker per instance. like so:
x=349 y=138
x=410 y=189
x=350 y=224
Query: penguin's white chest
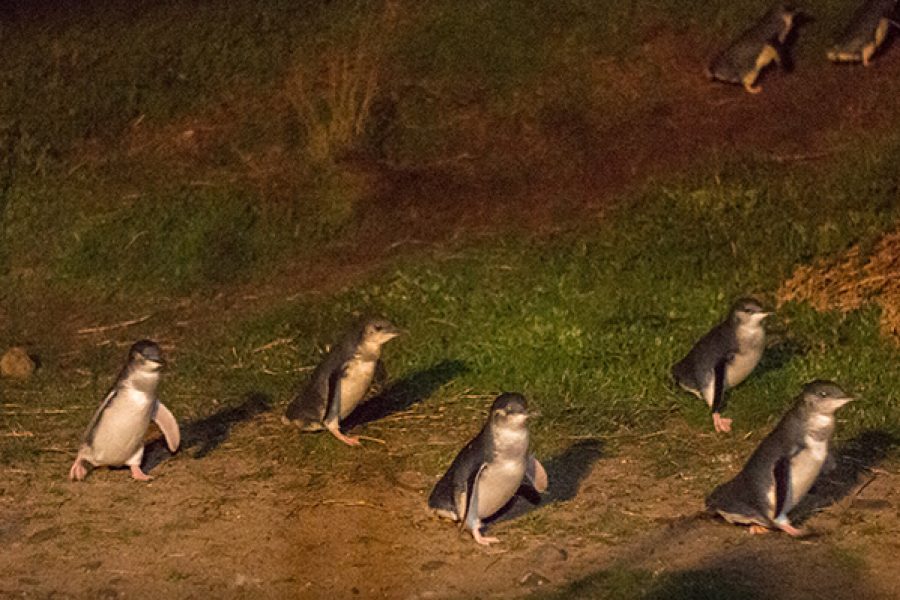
x=355 y=383
x=498 y=484
x=743 y=363
x=807 y=464
x=120 y=431
x=503 y=475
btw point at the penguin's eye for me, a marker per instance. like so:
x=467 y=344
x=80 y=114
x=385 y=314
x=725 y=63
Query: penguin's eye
x=379 y=327
x=823 y=394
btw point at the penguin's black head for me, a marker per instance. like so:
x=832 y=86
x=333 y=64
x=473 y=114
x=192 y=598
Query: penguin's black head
x=509 y=408
x=379 y=330
x=825 y=396
x=147 y=355
x=748 y=311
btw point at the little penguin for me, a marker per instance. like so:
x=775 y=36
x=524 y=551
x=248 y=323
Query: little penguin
x=724 y=357
x=784 y=466
x=754 y=50
x=115 y=436
x=866 y=32
x=342 y=380
x=488 y=471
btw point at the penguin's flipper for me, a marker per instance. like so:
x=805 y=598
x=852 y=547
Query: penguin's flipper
x=471 y=521
x=535 y=475
x=782 y=473
x=95 y=420
x=380 y=377
x=333 y=398
x=166 y=422
x=332 y=418
x=718 y=400
x=470 y=515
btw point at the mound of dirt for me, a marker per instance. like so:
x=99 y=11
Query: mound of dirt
x=853 y=281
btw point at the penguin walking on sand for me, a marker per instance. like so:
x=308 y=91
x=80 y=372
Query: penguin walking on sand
x=865 y=33
x=342 y=380
x=724 y=357
x=115 y=436
x=488 y=471
x=784 y=466
x=743 y=60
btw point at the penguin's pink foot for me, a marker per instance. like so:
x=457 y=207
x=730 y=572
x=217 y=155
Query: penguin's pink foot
x=78 y=472
x=759 y=530
x=349 y=440
x=721 y=424
x=484 y=541
x=136 y=473
x=791 y=530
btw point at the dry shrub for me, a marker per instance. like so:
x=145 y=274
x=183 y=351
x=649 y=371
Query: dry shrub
x=332 y=93
x=852 y=281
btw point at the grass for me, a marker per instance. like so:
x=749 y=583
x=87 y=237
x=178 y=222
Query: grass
x=440 y=96
x=585 y=324
x=588 y=323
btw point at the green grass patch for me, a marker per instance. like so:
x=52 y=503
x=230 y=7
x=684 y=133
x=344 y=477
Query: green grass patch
x=588 y=324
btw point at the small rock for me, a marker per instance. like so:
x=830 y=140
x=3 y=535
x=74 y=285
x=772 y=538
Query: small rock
x=547 y=554
x=432 y=565
x=533 y=579
x=16 y=364
x=92 y=566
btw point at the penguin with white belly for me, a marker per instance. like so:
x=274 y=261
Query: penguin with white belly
x=784 y=466
x=488 y=471
x=115 y=436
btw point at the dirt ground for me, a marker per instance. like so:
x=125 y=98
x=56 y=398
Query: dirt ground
x=227 y=524
x=222 y=522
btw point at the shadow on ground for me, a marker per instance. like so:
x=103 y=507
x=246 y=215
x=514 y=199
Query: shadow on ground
x=207 y=434
x=405 y=392
x=854 y=461
x=779 y=354
x=565 y=473
x=757 y=572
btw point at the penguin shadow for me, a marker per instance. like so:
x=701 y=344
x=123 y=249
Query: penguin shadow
x=565 y=472
x=779 y=354
x=404 y=393
x=786 y=51
x=852 y=461
x=207 y=434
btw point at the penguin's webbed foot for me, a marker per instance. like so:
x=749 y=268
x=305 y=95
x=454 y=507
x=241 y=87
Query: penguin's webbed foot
x=759 y=529
x=721 y=424
x=137 y=474
x=347 y=439
x=484 y=541
x=790 y=529
x=78 y=472
x=753 y=89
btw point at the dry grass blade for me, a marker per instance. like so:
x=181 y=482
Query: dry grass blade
x=333 y=96
x=121 y=325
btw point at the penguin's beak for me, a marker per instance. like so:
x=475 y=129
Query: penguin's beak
x=391 y=331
